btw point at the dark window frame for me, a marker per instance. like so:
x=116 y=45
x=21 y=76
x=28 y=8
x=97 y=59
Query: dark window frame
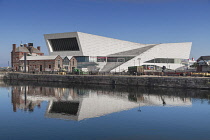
x=64 y=44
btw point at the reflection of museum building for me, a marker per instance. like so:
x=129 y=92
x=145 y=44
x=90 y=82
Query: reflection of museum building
x=78 y=104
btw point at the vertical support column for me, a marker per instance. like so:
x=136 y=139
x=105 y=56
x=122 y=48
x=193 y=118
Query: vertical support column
x=154 y=64
x=25 y=62
x=13 y=56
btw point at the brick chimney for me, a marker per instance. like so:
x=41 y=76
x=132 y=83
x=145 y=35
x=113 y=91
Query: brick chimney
x=39 y=48
x=30 y=44
x=25 y=45
x=13 y=47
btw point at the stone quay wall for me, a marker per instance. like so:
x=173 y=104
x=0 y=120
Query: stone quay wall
x=2 y=75
x=149 y=81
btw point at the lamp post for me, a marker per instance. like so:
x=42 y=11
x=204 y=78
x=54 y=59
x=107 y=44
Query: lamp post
x=134 y=62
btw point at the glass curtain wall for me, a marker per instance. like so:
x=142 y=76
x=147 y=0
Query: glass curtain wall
x=164 y=60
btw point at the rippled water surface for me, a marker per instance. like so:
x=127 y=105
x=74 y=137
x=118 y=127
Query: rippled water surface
x=59 y=111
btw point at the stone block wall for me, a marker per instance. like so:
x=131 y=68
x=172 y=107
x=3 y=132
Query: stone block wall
x=149 y=81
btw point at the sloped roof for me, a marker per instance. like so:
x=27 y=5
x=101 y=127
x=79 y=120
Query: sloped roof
x=204 y=58
x=133 y=52
x=69 y=57
x=35 y=50
x=53 y=57
x=22 y=49
x=25 y=49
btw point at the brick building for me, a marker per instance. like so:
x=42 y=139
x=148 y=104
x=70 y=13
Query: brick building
x=36 y=61
x=69 y=63
x=41 y=63
x=18 y=52
x=203 y=64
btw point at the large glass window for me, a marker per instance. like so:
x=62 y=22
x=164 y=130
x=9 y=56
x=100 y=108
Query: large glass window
x=161 y=60
x=111 y=59
x=64 y=44
x=101 y=59
x=120 y=59
x=65 y=61
x=82 y=58
x=59 y=64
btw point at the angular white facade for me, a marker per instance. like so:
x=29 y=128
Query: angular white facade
x=108 y=54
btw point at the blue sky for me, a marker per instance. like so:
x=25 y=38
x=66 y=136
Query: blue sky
x=142 y=21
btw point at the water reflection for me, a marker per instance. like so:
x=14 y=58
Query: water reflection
x=152 y=113
x=78 y=103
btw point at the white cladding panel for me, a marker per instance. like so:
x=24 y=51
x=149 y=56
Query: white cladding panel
x=169 y=50
x=94 y=45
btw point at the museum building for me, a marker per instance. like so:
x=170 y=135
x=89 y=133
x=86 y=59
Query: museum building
x=103 y=54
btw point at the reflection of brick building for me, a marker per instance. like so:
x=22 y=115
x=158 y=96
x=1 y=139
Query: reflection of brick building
x=20 y=101
x=18 y=52
x=28 y=97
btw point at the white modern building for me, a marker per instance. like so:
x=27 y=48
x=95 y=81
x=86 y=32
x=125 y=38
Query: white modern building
x=107 y=54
